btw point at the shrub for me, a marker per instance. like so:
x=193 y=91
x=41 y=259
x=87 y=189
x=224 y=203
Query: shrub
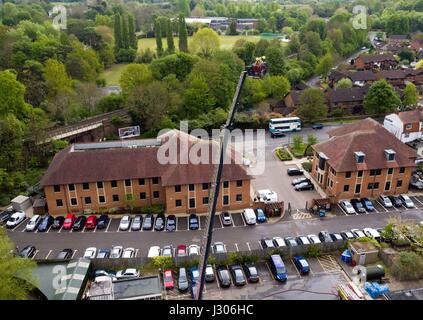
x=408 y=266
x=307 y=166
x=313 y=251
x=163 y=263
x=371 y=240
x=283 y=154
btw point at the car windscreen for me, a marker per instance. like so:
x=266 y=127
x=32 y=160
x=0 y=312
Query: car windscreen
x=253 y=271
x=280 y=269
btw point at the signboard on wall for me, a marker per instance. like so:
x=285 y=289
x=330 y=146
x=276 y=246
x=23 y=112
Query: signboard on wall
x=129 y=132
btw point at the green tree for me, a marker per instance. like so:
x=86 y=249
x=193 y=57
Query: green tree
x=118 y=32
x=183 y=34
x=12 y=96
x=381 y=98
x=11 y=137
x=314 y=43
x=158 y=35
x=325 y=65
x=297 y=142
x=311 y=139
x=277 y=86
x=183 y=7
x=12 y=270
x=197 y=99
x=205 y=42
x=232 y=28
x=169 y=37
x=275 y=59
x=312 y=105
x=135 y=75
x=179 y=64
x=83 y=63
x=125 y=33
x=57 y=80
x=344 y=83
x=133 y=43
x=411 y=95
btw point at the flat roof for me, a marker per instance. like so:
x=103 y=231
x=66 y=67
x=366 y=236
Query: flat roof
x=139 y=288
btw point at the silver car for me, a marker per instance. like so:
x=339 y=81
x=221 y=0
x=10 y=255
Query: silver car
x=125 y=222
x=136 y=223
x=128 y=253
x=33 y=223
x=116 y=252
x=167 y=251
x=219 y=247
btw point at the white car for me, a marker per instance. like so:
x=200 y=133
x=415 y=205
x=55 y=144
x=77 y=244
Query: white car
x=249 y=216
x=104 y=279
x=267 y=195
x=193 y=250
x=347 y=206
x=15 y=219
x=127 y=273
x=372 y=233
x=154 y=252
x=90 y=253
x=303 y=240
x=125 y=223
x=33 y=223
x=384 y=201
x=128 y=253
x=167 y=251
x=406 y=201
x=314 y=239
x=219 y=247
x=279 y=242
x=116 y=252
x=358 y=233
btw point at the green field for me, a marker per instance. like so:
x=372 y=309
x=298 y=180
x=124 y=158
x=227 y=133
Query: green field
x=112 y=74
x=226 y=42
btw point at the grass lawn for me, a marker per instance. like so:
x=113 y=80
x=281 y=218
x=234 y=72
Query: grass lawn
x=112 y=74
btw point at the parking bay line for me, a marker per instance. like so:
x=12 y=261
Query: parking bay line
x=248 y=246
x=418 y=200
x=48 y=254
x=110 y=221
x=136 y=252
x=236 y=246
x=343 y=211
x=33 y=257
x=73 y=254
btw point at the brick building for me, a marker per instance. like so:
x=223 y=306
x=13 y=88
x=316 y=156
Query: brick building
x=385 y=61
x=113 y=176
x=407 y=126
x=348 y=99
x=362 y=159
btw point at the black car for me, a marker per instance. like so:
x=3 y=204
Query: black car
x=65 y=254
x=79 y=223
x=304 y=186
x=148 y=222
x=300 y=180
x=238 y=275
x=223 y=276
x=251 y=272
x=317 y=126
x=171 y=223
x=159 y=225
x=396 y=201
x=193 y=221
x=28 y=252
x=358 y=206
x=324 y=236
x=102 y=221
x=347 y=235
x=294 y=172
x=45 y=223
x=5 y=215
x=58 y=222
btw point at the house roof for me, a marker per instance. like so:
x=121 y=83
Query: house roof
x=346 y=94
x=398 y=37
x=392 y=74
x=295 y=96
x=377 y=57
x=369 y=137
x=72 y=165
x=411 y=116
x=336 y=75
x=364 y=75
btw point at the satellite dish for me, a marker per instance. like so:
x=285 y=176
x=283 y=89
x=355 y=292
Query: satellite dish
x=359 y=274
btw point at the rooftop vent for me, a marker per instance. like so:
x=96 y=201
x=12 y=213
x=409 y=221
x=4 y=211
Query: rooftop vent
x=359 y=156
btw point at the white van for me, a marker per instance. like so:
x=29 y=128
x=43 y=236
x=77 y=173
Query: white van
x=267 y=195
x=249 y=216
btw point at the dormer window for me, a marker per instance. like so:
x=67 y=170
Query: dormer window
x=390 y=154
x=322 y=160
x=359 y=156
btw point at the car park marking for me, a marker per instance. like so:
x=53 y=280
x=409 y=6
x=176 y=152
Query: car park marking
x=248 y=246
x=108 y=225
x=73 y=254
x=418 y=200
x=236 y=246
x=342 y=209
x=261 y=246
x=382 y=206
x=48 y=254
x=329 y=264
x=49 y=229
x=36 y=252
x=295 y=267
x=136 y=252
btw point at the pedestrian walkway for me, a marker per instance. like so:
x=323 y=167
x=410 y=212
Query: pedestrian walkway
x=329 y=264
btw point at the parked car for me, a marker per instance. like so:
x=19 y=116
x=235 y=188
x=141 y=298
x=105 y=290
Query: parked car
x=125 y=222
x=406 y=201
x=5 y=215
x=154 y=251
x=358 y=233
x=266 y=195
x=193 y=222
x=90 y=253
x=238 y=275
x=116 y=252
x=127 y=273
x=300 y=180
x=336 y=237
x=367 y=204
x=79 y=223
x=103 y=221
x=277 y=267
x=171 y=223
x=167 y=251
x=182 y=280
x=181 y=250
x=136 y=223
x=251 y=272
x=384 y=201
x=46 y=223
x=303 y=240
x=279 y=242
x=15 y=219
x=33 y=223
x=347 y=235
x=159 y=225
x=314 y=239
x=223 y=276
x=396 y=201
x=317 y=126
x=291 y=242
x=294 y=172
x=226 y=218
x=148 y=222
x=261 y=217
x=69 y=220
x=58 y=222
x=65 y=254
x=249 y=216
x=103 y=253
x=324 y=236
x=372 y=233
x=347 y=206
x=304 y=186
x=301 y=264
x=209 y=276
x=219 y=247
x=193 y=250
x=267 y=243
x=28 y=252
x=169 y=284
x=358 y=206
x=91 y=222
x=194 y=275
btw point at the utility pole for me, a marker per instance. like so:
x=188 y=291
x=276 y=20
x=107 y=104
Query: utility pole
x=215 y=188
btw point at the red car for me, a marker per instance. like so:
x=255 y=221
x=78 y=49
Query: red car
x=181 y=250
x=69 y=220
x=168 y=279
x=91 y=222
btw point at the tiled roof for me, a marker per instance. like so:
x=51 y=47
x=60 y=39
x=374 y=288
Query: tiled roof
x=411 y=116
x=346 y=94
x=377 y=57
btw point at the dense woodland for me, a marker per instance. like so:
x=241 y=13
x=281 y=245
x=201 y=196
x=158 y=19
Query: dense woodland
x=50 y=78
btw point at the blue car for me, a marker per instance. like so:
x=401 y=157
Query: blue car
x=301 y=264
x=261 y=217
x=45 y=223
x=194 y=274
x=367 y=204
x=317 y=126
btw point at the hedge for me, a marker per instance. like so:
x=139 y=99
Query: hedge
x=283 y=154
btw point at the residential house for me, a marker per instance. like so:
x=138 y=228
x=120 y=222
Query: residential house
x=384 y=61
x=407 y=126
x=362 y=160
x=349 y=99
